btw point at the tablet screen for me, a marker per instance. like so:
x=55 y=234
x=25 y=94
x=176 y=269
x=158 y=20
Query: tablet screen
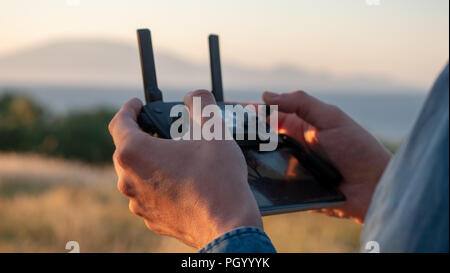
x=278 y=179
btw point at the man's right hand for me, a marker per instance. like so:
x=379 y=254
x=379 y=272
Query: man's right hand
x=331 y=133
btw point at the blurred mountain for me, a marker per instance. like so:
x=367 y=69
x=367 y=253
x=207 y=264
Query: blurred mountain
x=112 y=63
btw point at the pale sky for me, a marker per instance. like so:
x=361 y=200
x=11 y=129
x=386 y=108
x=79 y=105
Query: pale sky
x=405 y=40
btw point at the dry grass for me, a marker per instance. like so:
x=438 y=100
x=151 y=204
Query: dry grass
x=46 y=202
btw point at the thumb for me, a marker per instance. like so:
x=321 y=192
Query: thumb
x=203 y=97
x=312 y=110
x=124 y=122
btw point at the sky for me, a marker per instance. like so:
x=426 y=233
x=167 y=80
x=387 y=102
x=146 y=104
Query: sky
x=403 y=40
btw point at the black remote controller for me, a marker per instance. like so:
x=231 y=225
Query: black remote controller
x=155 y=119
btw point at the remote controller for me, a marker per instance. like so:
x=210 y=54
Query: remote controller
x=268 y=183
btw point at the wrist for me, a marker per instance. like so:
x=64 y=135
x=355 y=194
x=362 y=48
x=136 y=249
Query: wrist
x=218 y=221
x=361 y=194
x=246 y=217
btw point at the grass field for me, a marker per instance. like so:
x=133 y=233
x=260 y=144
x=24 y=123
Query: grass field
x=47 y=202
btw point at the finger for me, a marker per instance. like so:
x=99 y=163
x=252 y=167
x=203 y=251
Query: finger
x=205 y=98
x=125 y=186
x=132 y=145
x=124 y=122
x=291 y=125
x=317 y=113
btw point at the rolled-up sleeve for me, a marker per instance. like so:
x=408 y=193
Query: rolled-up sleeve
x=241 y=240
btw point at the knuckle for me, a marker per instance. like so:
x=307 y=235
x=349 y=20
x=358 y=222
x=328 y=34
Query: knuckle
x=111 y=125
x=134 y=208
x=149 y=224
x=300 y=94
x=155 y=228
x=114 y=156
x=126 y=188
x=125 y=156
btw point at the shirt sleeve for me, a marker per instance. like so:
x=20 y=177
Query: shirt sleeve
x=409 y=211
x=241 y=240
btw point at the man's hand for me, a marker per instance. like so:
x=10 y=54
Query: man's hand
x=191 y=190
x=327 y=130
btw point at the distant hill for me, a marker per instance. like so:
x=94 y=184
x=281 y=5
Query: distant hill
x=111 y=63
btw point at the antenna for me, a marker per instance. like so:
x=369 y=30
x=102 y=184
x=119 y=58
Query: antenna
x=216 y=73
x=151 y=90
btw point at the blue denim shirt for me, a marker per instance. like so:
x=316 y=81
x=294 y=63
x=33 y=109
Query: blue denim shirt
x=241 y=240
x=409 y=211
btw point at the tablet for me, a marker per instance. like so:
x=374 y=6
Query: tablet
x=291 y=178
